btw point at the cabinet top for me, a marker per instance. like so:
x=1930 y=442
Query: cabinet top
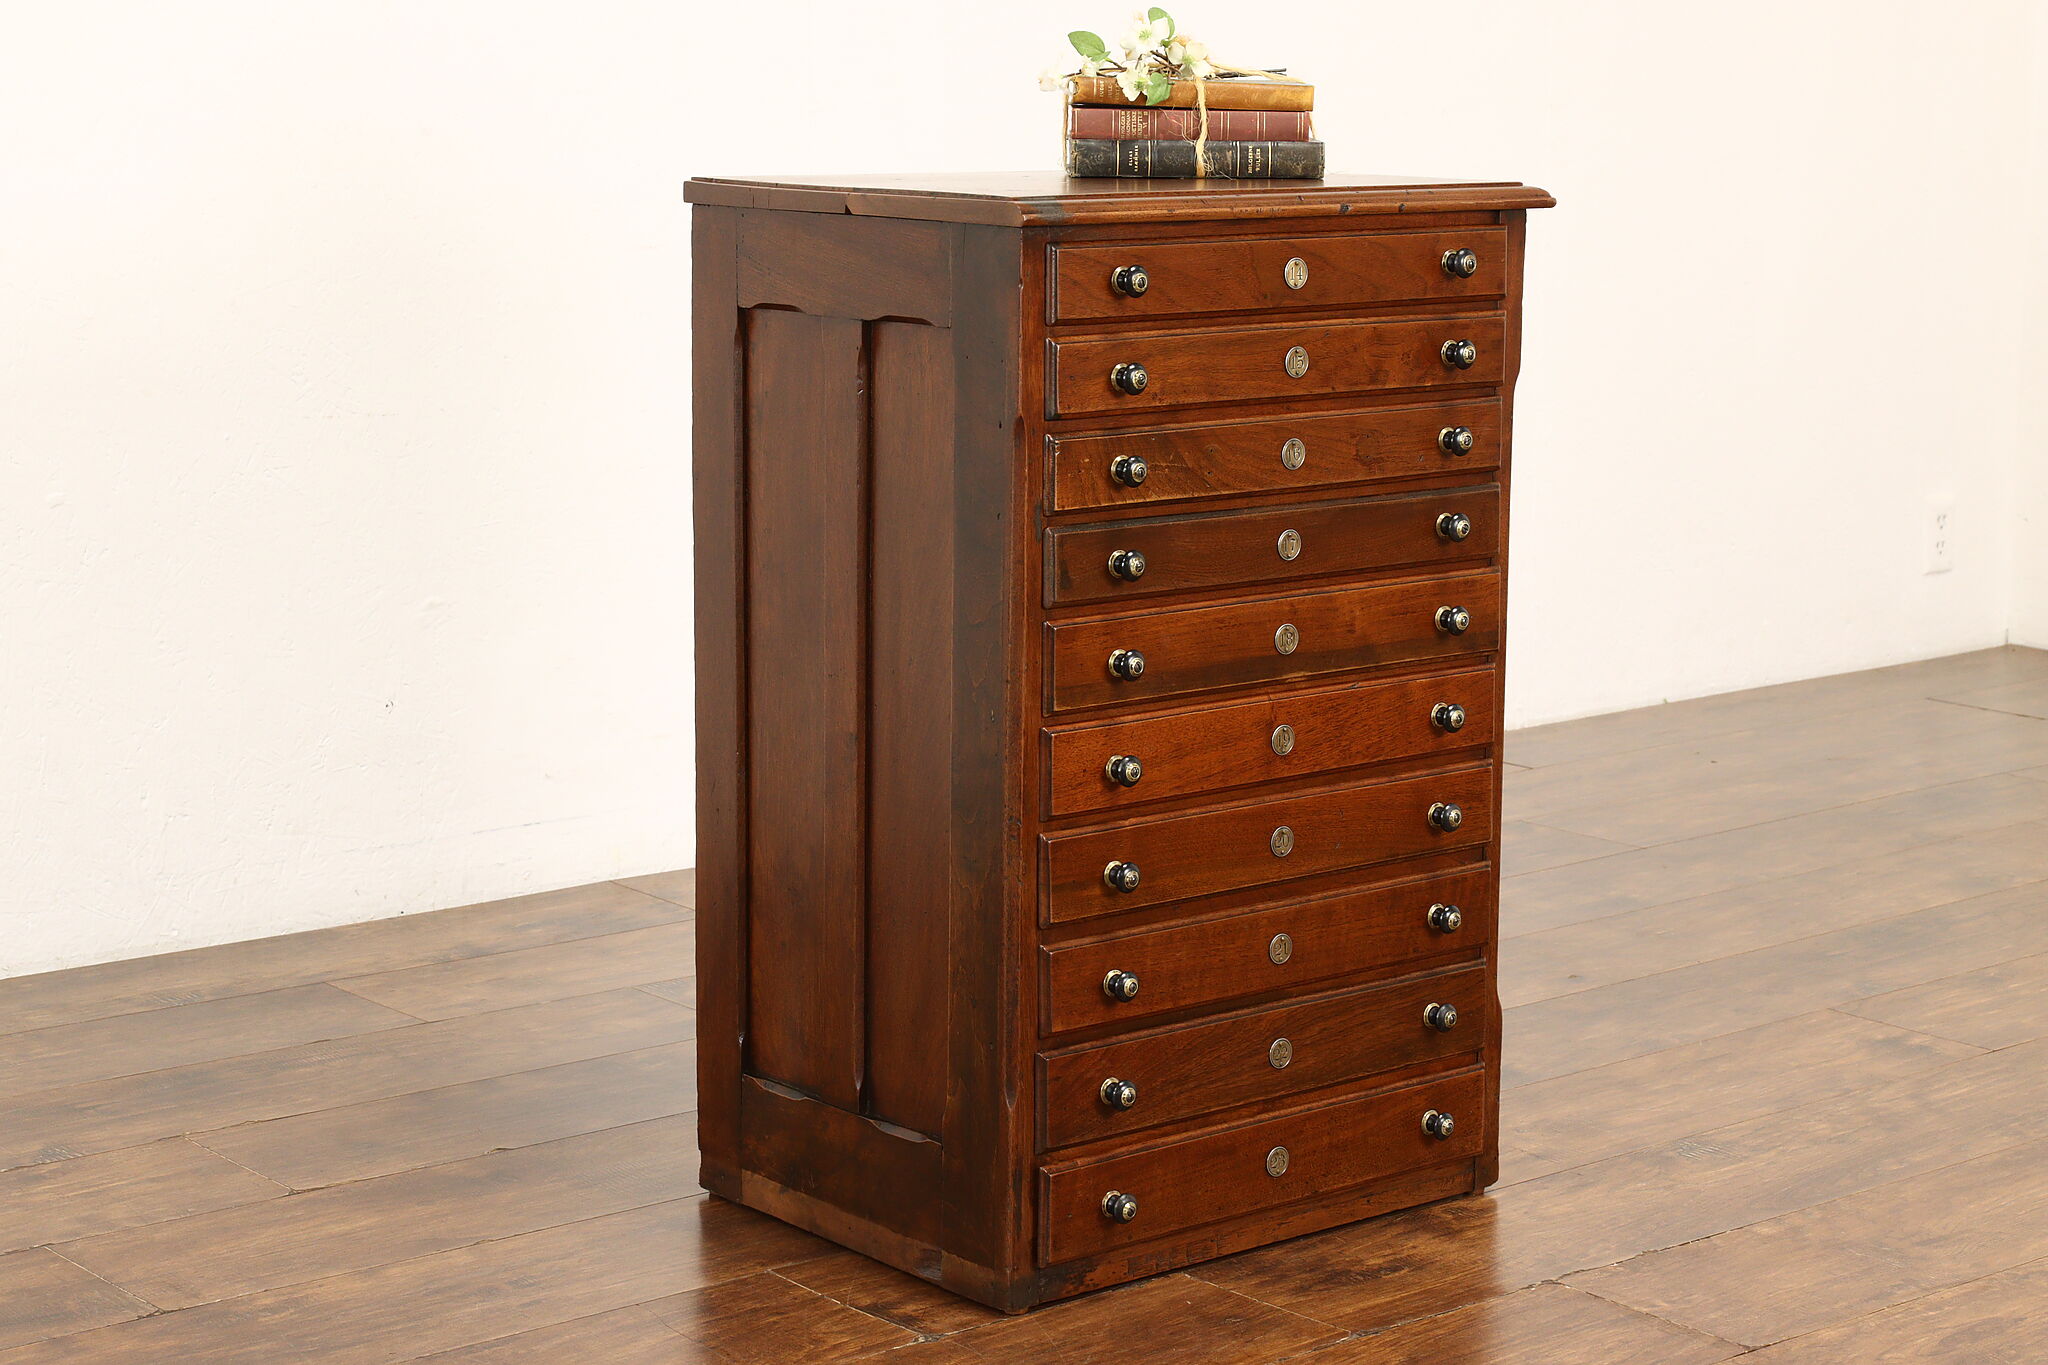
x=1043 y=198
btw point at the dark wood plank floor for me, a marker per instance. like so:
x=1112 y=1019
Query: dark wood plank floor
x=1777 y=977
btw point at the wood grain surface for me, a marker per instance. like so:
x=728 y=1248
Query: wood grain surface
x=1849 y=1177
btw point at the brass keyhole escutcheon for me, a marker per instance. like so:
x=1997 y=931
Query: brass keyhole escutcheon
x=1297 y=361
x=1276 y=1162
x=1287 y=639
x=1280 y=949
x=1283 y=740
x=1294 y=452
x=1282 y=842
x=1280 y=1054
x=1289 y=545
x=1295 y=272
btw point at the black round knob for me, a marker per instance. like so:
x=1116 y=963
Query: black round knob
x=1127 y=664
x=1442 y=1018
x=1125 y=770
x=1129 y=565
x=1450 y=525
x=1445 y=816
x=1456 y=440
x=1131 y=280
x=1453 y=620
x=1446 y=919
x=1122 y=877
x=1118 y=1207
x=1461 y=261
x=1130 y=377
x=1438 y=1124
x=1459 y=355
x=1120 y=986
x=1129 y=470
x=1447 y=716
x=1119 y=1094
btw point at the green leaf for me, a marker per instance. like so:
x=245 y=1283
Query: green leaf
x=1155 y=14
x=1088 y=45
x=1157 y=88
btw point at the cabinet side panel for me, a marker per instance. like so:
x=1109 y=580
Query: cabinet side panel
x=806 y=456
x=910 y=723
x=718 y=505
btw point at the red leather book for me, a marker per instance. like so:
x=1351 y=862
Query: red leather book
x=1226 y=125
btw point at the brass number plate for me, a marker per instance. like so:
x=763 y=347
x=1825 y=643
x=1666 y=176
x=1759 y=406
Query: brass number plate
x=1281 y=948
x=1283 y=740
x=1276 y=1162
x=1282 y=841
x=1294 y=452
x=1290 y=545
x=1280 y=1054
x=1287 y=639
x=1295 y=272
x=1297 y=361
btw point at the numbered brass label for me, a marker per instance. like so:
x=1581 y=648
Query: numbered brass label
x=1290 y=544
x=1276 y=1162
x=1294 y=452
x=1295 y=272
x=1297 y=361
x=1280 y=1054
x=1281 y=948
x=1282 y=842
x=1287 y=639
x=1283 y=740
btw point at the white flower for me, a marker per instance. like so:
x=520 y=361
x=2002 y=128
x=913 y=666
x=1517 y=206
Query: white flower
x=1176 y=54
x=1091 y=67
x=1200 y=69
x=1146 y=34
x=1131 y=83
x=1194 y=51
x=1050 y=79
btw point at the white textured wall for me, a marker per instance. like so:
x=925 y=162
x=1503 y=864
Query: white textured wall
x=343 y=433
x=343 y=464
x=2030 y=501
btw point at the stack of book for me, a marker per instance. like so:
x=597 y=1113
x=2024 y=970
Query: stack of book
x=1257 y=130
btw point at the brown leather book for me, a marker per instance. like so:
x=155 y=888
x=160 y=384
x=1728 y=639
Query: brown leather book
x=1136 y=122
x=1231 y=94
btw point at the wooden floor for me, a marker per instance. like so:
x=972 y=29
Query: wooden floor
x=1777 y=1038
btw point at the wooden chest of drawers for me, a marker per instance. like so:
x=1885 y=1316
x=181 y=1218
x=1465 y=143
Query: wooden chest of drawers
x=1100 y=606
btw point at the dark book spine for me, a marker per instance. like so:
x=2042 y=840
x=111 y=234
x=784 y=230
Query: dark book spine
x=1175 y=160
x=1225 y=125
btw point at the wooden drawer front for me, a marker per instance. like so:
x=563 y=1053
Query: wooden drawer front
x=1224 y=1174
x=1191 y=966
x=1226 y=549
x=1200 y=1068
x=1194 y=649
x=1195 y=752
x=1226 y=276
x=1182 y=856
x=1229 y=365
x=1253 y=457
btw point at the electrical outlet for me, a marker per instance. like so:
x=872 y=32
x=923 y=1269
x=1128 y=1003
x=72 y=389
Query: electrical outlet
x=1941 y=537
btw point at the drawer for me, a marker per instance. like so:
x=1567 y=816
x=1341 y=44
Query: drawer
x=1260 y=1165
x=1193 y=753
x=1268 y=639
x=1177 y=857
x=1230 y=549
x=1263 y=1054
x=1298 y=360
x=1274 y=272
x=1191 y=966
x=1288 y=453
